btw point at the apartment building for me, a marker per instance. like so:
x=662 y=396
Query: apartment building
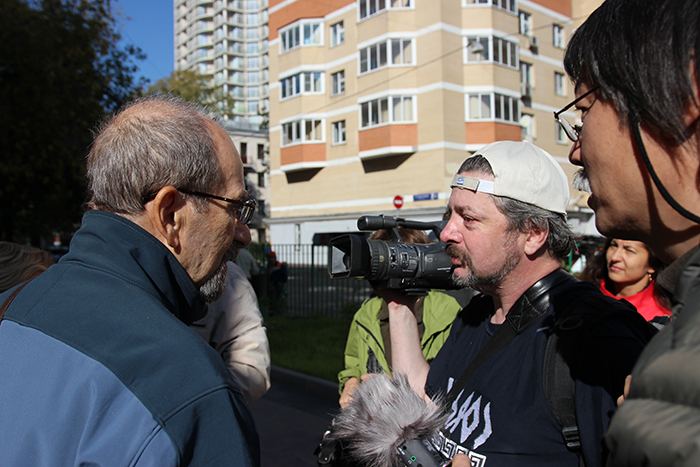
x=252 y=145
x=227 y=41
x=374 y=99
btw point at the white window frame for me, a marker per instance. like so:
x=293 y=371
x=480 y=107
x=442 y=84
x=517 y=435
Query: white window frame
x=383 y=52
x=338 y=83
x=558 y=36
x=495 y=103
x=525 y=23
x=306 y=82
x=338 y=133
x=296 y=132
x=337 y=33
x=381 y=111
x=299 y=35
x=493 y=47
x=559 y=84
x=510 y=5
x=369 y=8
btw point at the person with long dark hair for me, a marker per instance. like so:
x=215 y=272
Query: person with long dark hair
x=627 y=269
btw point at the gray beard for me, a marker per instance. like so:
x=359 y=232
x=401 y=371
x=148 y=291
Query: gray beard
x=487 y=284
x=215 y=287
x=581 y=182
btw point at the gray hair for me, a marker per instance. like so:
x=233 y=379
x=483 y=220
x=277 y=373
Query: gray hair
x=525 y=217
x=168 y=142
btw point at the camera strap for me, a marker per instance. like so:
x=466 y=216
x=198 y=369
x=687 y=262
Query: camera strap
x=529 y=308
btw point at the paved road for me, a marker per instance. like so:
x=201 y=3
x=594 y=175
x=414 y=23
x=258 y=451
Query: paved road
x=292 y=417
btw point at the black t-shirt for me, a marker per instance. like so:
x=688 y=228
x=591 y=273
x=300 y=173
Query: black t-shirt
x=502 y=418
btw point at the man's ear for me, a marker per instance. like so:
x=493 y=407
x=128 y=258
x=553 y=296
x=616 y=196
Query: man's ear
x=535 y=239
x=166 y=214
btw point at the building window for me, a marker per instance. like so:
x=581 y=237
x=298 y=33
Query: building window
x=339 y=132
x=253 y=91
x=486 y=106
x=301 y=83
x=386 y=53
x=253 y=77
x=251 y=18
x=302 y=131
x=526 y=80
x=301 y=34
x=508 y=5
x=244 y=152
x=559 y=84
x=525 y=23
x=372 y=7
x=491 y=48
x=337 y=34
x=338 y=83
x=393 y=109
x=261 y=152
x=261 y=179
x=253 y=107
x=558 y=36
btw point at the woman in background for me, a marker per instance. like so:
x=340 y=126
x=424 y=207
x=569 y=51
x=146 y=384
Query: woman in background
x=626 y=269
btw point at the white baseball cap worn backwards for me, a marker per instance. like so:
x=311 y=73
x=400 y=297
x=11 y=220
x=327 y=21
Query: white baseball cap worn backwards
x=523 y=172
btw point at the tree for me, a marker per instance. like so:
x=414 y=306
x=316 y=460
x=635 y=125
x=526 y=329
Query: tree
x=60 y=73
x=193 y=87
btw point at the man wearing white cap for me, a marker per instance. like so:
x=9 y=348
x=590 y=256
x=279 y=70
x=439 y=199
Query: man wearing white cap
x=501 y=369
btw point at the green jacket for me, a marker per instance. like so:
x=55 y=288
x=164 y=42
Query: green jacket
x=439 y=311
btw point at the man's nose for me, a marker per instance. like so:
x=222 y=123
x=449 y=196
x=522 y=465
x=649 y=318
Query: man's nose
x=241 y=236
x=575 y=154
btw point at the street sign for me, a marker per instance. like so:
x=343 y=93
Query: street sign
x=398 y=201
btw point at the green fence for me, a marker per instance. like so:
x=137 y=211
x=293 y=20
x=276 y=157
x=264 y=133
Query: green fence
x=309 y=289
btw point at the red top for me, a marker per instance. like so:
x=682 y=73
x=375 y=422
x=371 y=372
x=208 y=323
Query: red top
x=643 y=301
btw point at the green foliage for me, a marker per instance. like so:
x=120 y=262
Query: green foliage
x=60 y=72
x=309 y=345
x=193 y=87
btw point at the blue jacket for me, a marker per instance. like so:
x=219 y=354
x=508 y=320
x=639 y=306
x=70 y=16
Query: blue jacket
x=98 y=368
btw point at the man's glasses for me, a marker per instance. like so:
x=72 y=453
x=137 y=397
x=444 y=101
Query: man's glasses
x=243 y=209
x=572 y=132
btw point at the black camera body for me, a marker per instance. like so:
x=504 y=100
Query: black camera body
x=413 y=268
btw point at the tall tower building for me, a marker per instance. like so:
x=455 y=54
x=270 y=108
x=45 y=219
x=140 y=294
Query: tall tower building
x=227 y=41
x=370 y=99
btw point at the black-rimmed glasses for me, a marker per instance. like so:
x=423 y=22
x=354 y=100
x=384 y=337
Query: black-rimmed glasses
x=572 y=132
x=244 y=209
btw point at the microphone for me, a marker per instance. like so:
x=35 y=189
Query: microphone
x=388 y=425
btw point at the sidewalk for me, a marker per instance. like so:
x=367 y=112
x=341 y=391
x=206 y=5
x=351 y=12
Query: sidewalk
x=292 y=417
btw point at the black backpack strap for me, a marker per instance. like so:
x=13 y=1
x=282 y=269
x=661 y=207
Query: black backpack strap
x=528 y=309
x=581 y=306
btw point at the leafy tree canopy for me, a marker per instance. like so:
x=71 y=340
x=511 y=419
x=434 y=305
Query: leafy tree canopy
x=60 y=73
x=193 y=87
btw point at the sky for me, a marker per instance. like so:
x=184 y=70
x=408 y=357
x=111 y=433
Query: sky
x=148 y=24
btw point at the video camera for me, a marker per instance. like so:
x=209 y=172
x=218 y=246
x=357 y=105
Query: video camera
x=413 y=268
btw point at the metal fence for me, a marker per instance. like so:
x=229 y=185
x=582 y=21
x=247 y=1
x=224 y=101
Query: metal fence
x=309 y=289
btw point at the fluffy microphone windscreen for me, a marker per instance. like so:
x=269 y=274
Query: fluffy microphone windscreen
x=384 y=414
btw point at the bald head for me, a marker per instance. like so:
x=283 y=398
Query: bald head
x=153 y=142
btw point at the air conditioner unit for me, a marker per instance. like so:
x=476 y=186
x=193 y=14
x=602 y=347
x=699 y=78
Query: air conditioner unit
x=526 y=90
x=534 y=42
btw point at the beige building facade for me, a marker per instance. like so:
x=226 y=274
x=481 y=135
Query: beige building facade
x=370 y=99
